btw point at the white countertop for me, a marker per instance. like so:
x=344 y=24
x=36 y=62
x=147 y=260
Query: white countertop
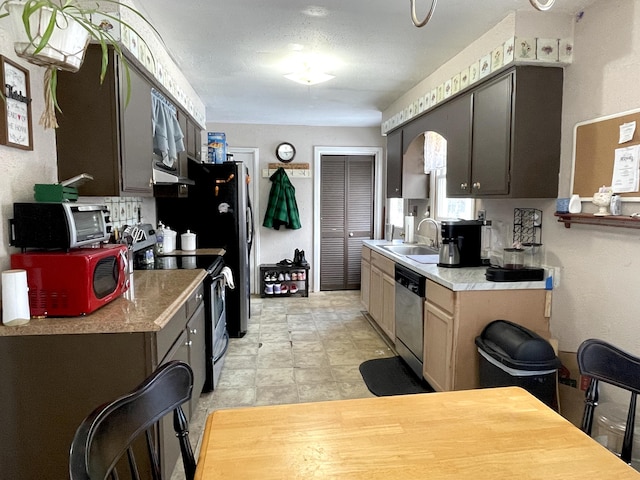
x=456 y=279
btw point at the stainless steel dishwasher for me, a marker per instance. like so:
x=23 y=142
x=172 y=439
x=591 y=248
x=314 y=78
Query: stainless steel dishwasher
x=410 y=297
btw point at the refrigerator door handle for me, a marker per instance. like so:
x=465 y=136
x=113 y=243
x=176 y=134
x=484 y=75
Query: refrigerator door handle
x=250 y=224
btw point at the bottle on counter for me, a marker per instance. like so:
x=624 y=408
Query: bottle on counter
x=159 y=248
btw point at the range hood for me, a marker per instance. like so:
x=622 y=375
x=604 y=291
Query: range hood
x=163 y=175
x=168 y=183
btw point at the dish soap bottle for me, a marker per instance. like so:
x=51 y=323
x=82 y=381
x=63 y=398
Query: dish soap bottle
x=575 y=204
x=159 y=238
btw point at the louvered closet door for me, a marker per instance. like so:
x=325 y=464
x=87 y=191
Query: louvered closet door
x=346 y=218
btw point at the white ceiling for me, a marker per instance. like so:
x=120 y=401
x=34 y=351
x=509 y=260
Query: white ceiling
x=231 y=52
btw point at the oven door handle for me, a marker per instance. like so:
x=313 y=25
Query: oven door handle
x=217 y=278
x=226 y=347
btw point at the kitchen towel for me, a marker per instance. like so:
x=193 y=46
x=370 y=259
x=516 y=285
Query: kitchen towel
x=15 y=297
x=168 y=139
x=228 y=277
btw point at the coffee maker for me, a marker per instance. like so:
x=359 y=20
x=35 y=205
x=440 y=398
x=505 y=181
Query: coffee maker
x=461 y=243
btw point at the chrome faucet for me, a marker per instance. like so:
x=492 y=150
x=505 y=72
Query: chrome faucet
x=435 y=224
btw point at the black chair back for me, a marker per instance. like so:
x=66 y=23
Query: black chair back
x=109 y=432
x=605 y=363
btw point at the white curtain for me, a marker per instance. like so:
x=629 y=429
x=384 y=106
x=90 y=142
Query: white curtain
x=435 y=152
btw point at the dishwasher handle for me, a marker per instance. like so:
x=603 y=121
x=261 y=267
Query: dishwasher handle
x=412 y=281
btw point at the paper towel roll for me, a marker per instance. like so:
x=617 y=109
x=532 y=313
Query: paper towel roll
x=15 y=297
x=409 y=228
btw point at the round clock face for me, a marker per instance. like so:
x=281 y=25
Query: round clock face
x=285 y=152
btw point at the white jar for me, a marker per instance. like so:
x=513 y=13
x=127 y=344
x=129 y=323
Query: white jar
x=188 y=241
x=169 y=240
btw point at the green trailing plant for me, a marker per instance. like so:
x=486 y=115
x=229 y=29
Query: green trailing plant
x=60 y=15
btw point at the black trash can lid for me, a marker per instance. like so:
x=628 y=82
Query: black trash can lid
x=517 y=347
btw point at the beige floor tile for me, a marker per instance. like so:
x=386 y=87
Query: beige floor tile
x=346 y=374
x=274 y=377
x=277 y=395
x=312 y=375
x=310 y=359
x=237 y=378
x=319 y=392
x=233 y=362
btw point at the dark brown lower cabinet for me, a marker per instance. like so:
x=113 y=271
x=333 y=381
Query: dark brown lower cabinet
x=50 y=383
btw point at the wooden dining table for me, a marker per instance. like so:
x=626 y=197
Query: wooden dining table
x=492 y=433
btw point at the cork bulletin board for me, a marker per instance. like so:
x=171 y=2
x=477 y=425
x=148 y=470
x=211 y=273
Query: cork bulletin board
x=595 y=144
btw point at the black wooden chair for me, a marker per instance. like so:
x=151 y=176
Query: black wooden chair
x=605 y=363
x=109 y=432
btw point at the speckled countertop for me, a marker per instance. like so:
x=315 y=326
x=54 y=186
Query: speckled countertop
x=156 y=296
x=456 y=279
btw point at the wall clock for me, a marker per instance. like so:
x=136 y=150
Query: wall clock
x=285 y=152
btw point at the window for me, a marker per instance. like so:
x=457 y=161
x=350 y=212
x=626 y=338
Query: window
x=435 y=163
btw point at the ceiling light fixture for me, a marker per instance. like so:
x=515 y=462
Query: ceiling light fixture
x=310 y=68
x=309 y=77
x=538 y=5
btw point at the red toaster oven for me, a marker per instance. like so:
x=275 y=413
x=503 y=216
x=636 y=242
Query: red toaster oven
x=75 y=282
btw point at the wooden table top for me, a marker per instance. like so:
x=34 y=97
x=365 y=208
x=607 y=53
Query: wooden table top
x=498 y=433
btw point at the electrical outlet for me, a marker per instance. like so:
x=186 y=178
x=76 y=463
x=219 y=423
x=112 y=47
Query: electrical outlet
x=482 y=215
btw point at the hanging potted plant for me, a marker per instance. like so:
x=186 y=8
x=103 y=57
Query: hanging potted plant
x=55 y=34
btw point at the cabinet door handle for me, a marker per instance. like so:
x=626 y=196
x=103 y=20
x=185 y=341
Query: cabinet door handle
x=351 y=234
x=188 y=344
x=464 y=186
x=199 y=297
x=476 y=185
x=193 y=331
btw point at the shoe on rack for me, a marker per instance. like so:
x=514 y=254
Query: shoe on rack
x=268 y=289
x=287 y=277
x=281 y=277
x=293 y=288
x=284 y=289
x=285 y=263
x=301 y=275
x=294 y=276
x=296 y=257
x=276 y=289
x=302 y=262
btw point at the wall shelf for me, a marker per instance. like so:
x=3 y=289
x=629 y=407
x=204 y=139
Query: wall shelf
x=623 y=221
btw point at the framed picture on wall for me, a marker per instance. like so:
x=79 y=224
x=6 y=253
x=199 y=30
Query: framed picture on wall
x=15 y=114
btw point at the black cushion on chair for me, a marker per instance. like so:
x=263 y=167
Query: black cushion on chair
x=109 y=431
x=605 y=363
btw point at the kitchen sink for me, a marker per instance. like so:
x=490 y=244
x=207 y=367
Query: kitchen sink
x=411 y=249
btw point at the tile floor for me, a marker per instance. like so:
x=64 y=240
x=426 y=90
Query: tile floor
x=296 y=350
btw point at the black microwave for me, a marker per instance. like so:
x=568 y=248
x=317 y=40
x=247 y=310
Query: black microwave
x=58 y=225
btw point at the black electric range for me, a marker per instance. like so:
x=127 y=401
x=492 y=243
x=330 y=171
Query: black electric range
x=215 y=284
x=213 y=264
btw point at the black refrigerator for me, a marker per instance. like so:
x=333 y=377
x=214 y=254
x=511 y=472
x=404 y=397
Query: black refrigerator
x=218 y=210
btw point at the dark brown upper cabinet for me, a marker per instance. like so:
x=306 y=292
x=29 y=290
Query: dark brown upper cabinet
x=394 y=164
x=103 y=135
x=515 y=144
x=503 y=135
x=100 y=134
